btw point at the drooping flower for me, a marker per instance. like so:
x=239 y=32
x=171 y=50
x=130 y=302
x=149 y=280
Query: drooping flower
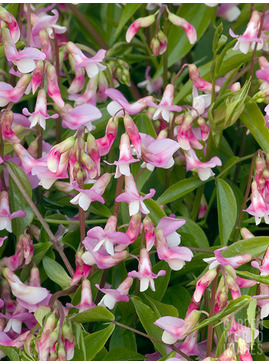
x=132 y=197
x=258 y=207
x=137 y=24
x=23 y=254
x=198 y=82
x=5 y=215
x=13 y=94
x=145 y=274
x=112 y=296
x=182 y=23
x=11 y=23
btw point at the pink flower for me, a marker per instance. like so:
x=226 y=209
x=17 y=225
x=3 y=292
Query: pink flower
x=149 y=230
x=104 y=144
x=86 y=197
x=258 y=207
x=5 y=215
x=133 y=132
x=47 y=22
x=53 y=87
x=150 y=86
x=250 y=36
x=132 y=197
x=13 y=94
x=166 y=104
x=158 y=152
x=2 y=240
x=23 y=255
x=112 y=296
x=11 y=23
x=103 y=261
x=89 y=95
x=120 y=103
x=199 y=82
x=86 y=302
x=145 y=274
x=79 y=116
x=243 y=350
x=37 y=76
x=40 y=115
x=175 y=256
x=91 y=65
x=169 y=225
x=25 y=59
x=242 y=331
x=137 y=24
x=125 y=158
x=180 y=22
x=203 y=169
x=105 y=239
x=234 y=262
x=78 y=82
x=229 y=12
x=203 y=283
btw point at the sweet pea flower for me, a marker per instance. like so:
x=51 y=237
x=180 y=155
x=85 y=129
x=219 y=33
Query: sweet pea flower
x=104 y=144
x=258 y=207
x=37 y=76
x=145 y=274
x=5 y=215
x=86 y=197
x=86 y=302
x=198 y=82
x=23 y=255
x=166 y=105
x=132 y=197
x=133 y=132
x=14 y=321
x=120 y=105
x=241 y=331
x=11 y=23
x=78 y=82
x=52 y=86
x=25 y=294
x=91 y=65
x=79 y=116
x=149 y=230
x=40 y=115
x=13 y=94
x=182 y=23
x=203 y=169
x=112 y=296
x=105 y=239
x=82 y=269
x=104 y=260
x=125 y=158
x=169 y=225
x=157 y=152
x=25 y=59
x=150 y=86
x=175 y=256
x=137 y=24
x=48 y=23
x=234 y=262
x=89 y=95
x=250 y=36
x=203 y=283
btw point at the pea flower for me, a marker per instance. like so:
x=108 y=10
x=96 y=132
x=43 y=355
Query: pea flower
x=112 y=296
x=5 y=215
x=11 y=23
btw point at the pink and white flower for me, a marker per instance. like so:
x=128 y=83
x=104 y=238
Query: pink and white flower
x=182 y=23
x=198 y=82
x=11 y=23
x=5 y=215
x=112 y=296
x=13 y=94
x=150 y=86
x=258 y=207
x=132 y=197
x=137 y=24
x=169 y=226
x=145 y=274
x=79 y=116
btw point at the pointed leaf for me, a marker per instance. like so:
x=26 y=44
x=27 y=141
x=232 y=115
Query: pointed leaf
x=128 y=12
x=251 y=312
x=253 y=246
x=97 y=313
x=56 y=272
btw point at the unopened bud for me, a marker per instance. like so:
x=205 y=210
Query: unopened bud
x=137 y=24
x=155 y=46
x=38 y=75
x=246 y=234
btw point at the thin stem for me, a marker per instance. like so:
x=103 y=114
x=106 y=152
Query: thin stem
x=179 y=73
x=245 y=197
x=61 y=293
x=28 y=16
x=74 y=222
x=102 y=284
x=118 y=192
x=41 y=219
x=211 y=313
x=173 y=347
x=165 y=55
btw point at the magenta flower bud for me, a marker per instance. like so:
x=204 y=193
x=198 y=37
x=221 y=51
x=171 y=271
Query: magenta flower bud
x=7 y=132
x=163 y=41
x=204 y=128
x=37 y=76
x=23 y=255
x=203 y=283
x=155 y=46
x=53 y=87
x=198 y=81
x=145 y=274
x=13 y=94
x=86 y=301
x=182 y=23
x=243 y=350
x=112 y=296
x=149 y=229
x=133 y=133
x=11 y=23
x=57 y=151
x=5 y=215
x=82 y=270
x=93 y=151
x=78 y=82
x=46 y=45
x=137 y=24
x=105 y=143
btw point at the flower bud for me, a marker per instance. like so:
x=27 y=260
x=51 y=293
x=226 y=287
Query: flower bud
x=243 y=350
x=149 y=229
x=246 y=234
x=53 y=87
x=8 y=133
x=180 y=22
x=163 y=41
x=137 y=24
x=38 y=75
x=133 y=132
x=155 y=46
x=45 y=43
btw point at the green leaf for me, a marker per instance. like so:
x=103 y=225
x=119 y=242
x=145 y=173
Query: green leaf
x=13 y=9
x=160 y=308
x=127 y=13
x=227 y=210
x=222 y=340
x=18 y=202
x=179 y=297
x=147 y=318
x=122 y=354
x=254 y=120
x=56 y=272
x=11 y=353
x=180 y=189
x=40 y=250
x=97 y=313
x=253 y=246
x=192 y=234
x=156 y=213
x=145 y=125
x=251 y=312
x=94 y=343
x=254 y=277
x=265 y=323
x=40 y=313
x=215 y=44
x=199 y=15
x=233 y=306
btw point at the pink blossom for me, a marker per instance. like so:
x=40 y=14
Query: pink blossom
x=15 y=320
x=47 y=22
x=7 y=130
x=5 y=215
x=13 y=94
x=25 y=59
x=243 y=350
x=132 y=232
x=133 y=132
x=82 y=269
x=79 y=116
x=2 y=240
x=104 y=144
x=149 y=230
x=91 y=65
x=150 y=86
x=229 y=12
x=37 y=76
x=166 y=105
x=120 y=104
x=11 y=23
x=203 y=169
x=203 y=283
x=180 y=22
x=145 y=274
x=78 y=82
x=242 y=331
x=103 y=261
x=137 y=24
x=250 y=36
x=89 y=95
x=175 y=256
x=198 y=81
x=86 y=302
x=112 y=296
x=258 y=207
x=234 y=262
x=169 y=225
x=158 y=152
x=86 y=197
x=132 y=197
x=53 y=87
x=23 y=255
x=40 y=115
x=105 y=239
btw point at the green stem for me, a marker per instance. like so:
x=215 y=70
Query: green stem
x=197 y=202
x=74 y=222
x=173 y=347
x=165 y=55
